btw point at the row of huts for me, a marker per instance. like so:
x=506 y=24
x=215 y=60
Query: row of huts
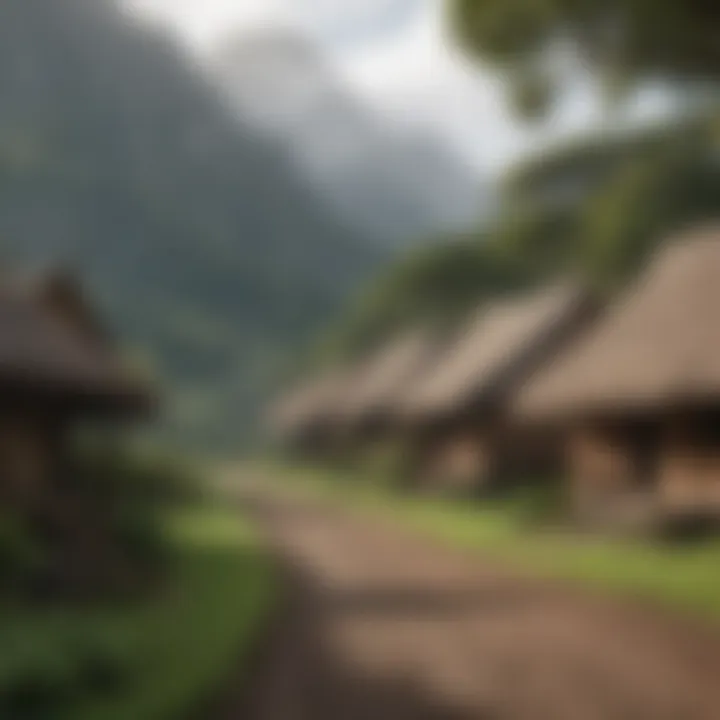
x=622 y=399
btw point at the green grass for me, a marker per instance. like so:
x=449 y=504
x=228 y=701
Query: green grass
x=679 y=576
x=179 y=648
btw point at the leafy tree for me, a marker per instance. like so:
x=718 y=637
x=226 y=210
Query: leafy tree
x=620 y=41
x=597 y=208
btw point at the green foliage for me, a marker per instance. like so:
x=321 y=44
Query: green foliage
x=595 y=209
x=433 y=285
x=22 y=555
x=156 y=659
x=537 y=502
x=133 y=491
x=620 y=42
x=149 y=476
x=678 y=577
x=40 y=677
x=98 y=532
x=532 y=94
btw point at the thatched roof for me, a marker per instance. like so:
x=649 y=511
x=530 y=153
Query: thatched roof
x=62 y=295
x=500 y=348
x=314 y=402
x=388 y=375
x=660 y=344
x=41 y=355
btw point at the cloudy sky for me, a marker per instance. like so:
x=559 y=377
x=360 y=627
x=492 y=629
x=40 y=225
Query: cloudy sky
x=397 y=55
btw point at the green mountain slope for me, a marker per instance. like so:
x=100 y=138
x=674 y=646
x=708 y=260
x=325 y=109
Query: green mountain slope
x=201 y=242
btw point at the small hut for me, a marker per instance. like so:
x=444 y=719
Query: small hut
x=305 y=421
x=371 y=408
x=465 y=439
x=57 y=369
x=640 y=396
x=370 y=412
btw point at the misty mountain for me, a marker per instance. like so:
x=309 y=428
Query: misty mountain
x=394 y=182
x=199 y=237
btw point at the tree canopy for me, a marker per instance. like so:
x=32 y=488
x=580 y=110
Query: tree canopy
x=619 y=41
x=595 y=209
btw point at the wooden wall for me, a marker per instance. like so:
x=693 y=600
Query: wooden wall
x=609 y=485
x=690 y=467
x=27 y=458
x=455 y=463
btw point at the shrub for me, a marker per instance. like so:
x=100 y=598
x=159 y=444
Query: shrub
x=98 y=529
x=40 y=679
x=133 y=475
x=21 y=552
x=538 y=502
x=688 y=527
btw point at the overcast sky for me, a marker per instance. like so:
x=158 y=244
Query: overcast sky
x=397 y=54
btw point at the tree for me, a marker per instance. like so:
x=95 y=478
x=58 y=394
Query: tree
x=621 y=42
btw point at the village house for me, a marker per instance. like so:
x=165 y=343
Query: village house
x=370 y=409
x=464 y=439
x=58 y=369
x=640 y=396
x=305 y=422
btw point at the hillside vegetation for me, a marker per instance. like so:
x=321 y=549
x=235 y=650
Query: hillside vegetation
x=200 y=240
x=595 y=209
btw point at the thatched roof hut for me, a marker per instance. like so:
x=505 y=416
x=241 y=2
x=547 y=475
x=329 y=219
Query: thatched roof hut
x=57 y=368
x=498 y=350
x=639 y=397
x=310 y=408
x=46 y=357
x=61 y=294
x=387 y=376
x=463 y=437
x=659 y=346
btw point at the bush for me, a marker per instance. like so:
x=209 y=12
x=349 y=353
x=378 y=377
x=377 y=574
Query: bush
x=385 y=465
x=162 y=656
x=134 y=475
x=688 y=527
x=21 y=553
x=38 y=679
x=132 y=489
x=97 y=530
x=538 y=502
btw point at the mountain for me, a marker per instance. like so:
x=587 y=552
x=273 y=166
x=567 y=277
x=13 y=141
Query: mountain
x=199 y=237
x=397 y=183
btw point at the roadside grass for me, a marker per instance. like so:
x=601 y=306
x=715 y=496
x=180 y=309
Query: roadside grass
x=174 y=651
x=682 y=576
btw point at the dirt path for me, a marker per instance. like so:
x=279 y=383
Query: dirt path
x=385 y=626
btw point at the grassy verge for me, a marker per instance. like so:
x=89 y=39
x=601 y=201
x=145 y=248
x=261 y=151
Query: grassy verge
x=686 y=577
x=176 y=649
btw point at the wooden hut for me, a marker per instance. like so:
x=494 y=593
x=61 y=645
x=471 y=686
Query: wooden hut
x=371 y=406
x=305 y=421
x=57 y=369
x=370 y=415
x=640 y=396
x=464 y=437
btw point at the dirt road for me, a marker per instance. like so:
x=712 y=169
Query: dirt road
x=383 y=625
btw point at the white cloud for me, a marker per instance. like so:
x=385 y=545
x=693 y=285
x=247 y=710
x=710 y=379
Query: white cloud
x=421 y=78
x=398 y=54
x=334 y=21
x=202 y=21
